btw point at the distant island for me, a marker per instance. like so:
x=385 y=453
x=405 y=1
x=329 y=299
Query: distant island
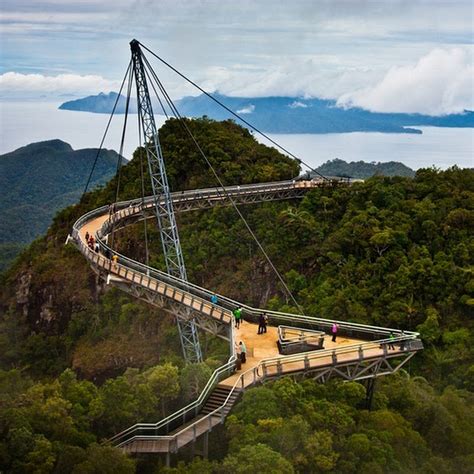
x=363 y=170
x=39 y=179
x=99 y=104
x=286 y=114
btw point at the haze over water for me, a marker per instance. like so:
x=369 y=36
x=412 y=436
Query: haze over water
x=27 y=122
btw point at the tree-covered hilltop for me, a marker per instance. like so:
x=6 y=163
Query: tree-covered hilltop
x=38 y=180
x=81 y=361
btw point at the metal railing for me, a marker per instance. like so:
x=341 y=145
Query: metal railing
x=292 y=340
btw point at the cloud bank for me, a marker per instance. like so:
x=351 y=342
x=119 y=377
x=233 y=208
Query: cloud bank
x=13 y=82
x=440 y=83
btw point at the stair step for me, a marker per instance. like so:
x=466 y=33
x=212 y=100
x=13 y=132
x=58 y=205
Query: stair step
x=217 y=399
x=217 y=390
x=222 y=389
x=224 y=411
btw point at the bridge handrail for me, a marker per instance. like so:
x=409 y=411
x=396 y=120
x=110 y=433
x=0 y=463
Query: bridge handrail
x=206 y=294
x=202 y=192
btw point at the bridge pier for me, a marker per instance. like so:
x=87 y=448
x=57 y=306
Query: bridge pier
x=369 y=392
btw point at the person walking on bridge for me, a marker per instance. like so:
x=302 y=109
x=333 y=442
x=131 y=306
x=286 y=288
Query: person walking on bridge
x=261 y=323
x=265 y=322
x=391 y=338
x=214 y=299
x=238 y=317
x=243 y=352
x=334 y=330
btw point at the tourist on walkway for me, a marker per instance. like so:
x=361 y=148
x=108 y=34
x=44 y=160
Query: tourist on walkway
x=214 y=299
x=238 y=317
x=265 y=322
x=334 y=330
x=391 y=339
x=238 y=353
x=115 y=260
x=243 y=352
x=261 y=324
x=87 y=237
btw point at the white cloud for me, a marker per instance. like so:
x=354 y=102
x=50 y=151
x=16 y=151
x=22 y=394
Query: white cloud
x=441 y=82
x=307 y=76
x=13 y=82
x=247 y=109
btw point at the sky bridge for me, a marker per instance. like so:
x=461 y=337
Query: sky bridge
x=294 y=345
x=360 y=351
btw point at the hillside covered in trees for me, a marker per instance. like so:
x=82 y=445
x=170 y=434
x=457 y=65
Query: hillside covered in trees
x=80 y=362
x=38 y=180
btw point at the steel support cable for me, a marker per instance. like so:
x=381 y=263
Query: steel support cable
x=106 y=129
x=222 y=190
x=122 y=141
x=253 y=127
x=156 y=94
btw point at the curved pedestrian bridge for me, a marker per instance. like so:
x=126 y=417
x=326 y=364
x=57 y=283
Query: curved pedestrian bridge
x=360 y=351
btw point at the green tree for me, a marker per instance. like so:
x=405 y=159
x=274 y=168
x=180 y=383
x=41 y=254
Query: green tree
x=258 y=458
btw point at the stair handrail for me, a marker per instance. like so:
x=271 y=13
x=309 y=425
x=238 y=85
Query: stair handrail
x=198 y=403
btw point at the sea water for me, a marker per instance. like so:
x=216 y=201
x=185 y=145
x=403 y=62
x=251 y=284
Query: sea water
x=27 y=122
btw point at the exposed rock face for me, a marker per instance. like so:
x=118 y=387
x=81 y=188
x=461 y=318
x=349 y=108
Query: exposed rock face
x=46 y=314
x=23 y=289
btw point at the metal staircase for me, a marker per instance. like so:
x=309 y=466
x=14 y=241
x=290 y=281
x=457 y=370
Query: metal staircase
x=219 y=398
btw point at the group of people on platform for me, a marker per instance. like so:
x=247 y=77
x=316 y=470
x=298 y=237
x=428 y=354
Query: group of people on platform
x=91 y=243
x=94 y=245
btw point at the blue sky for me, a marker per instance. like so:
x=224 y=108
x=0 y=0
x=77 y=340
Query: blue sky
x=413 y=56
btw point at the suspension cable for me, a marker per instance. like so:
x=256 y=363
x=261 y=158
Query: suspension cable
x=253 y=127
x=106 y=129
x=156 y=94
x=222 y=190
x=122 y=141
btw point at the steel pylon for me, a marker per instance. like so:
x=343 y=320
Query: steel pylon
x=163 y=206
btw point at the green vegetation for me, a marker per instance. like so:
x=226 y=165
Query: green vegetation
x=81 y=362
x=38 y=180
x=361 y=169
